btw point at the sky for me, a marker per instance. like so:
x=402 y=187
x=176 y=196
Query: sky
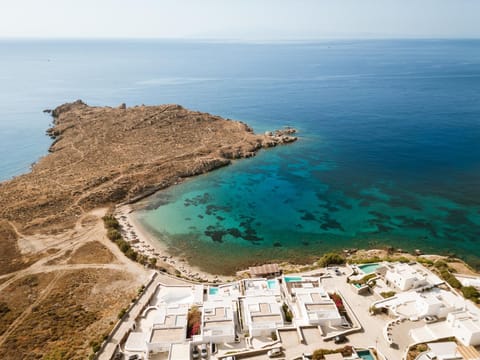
x=240 y=19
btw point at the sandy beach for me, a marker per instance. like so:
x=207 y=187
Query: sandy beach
x=143 y=243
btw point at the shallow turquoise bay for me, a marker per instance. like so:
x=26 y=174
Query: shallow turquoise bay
x=389 y=148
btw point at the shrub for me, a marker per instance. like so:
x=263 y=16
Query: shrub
x=331 y=259
x=364 y=280
x=374 y=310
x=123 y=245
x=4 y=308
x=319 y=354
x=387 y=294
x=131 y=254
x=110 y=222
x=95 y=346
x=450 y=279
x=440 y=264
x=287 y=312
x=194 y=321
x=122 y=313
x=153 y=261
x=424 y=261
x=373 y=259
x=114 y=234
x=338 y=302
x=469 y=292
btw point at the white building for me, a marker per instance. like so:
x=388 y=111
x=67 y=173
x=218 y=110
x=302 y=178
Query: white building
x=405 y=277
x=254 y=287
x=230 y=290
x=310 y=302
x=316 y=308
x=417 y=305
x=164 y=321
x=466 y=326
x=218 y=324
x=262 y=314
x=436 y=302
x=169 y=327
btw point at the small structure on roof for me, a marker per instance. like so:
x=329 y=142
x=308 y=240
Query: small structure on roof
x=265 y=271
x=262 y=314
x=136 y=342
x=444 y=350
x=405 y=277
x=466 y=326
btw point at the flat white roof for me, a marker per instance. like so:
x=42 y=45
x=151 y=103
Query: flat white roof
x=468 y=280
x=261 y=287
x=444 y=350
x=335 y=356
x=136 y=342
x=405 y=270
x=179 y=351
x=231 y=290
x=176 y=295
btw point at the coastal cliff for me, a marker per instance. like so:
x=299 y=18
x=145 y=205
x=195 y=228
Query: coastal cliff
x=102 y=156
x=55 y=248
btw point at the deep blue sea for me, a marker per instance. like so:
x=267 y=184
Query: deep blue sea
x=389 y=148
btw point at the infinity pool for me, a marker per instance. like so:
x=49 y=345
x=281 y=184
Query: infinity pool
x=369 y=268
x=213 y=291
x=365 y=354
x=272 y=284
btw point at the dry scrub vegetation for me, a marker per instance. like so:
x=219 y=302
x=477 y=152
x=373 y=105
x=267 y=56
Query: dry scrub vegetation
x=62 y=282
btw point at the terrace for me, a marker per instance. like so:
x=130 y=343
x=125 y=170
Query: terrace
x=262 y=314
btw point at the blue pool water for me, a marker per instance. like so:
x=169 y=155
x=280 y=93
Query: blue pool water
x=369 y=268
x=389 y=139
x=272 y=284
x=293 y=278
x=365 y=354
x=213 y=291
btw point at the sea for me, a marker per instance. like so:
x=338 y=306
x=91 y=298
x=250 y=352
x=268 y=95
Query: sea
x=388 y=151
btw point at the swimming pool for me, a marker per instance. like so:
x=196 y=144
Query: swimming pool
x=369 y=268
x=292 y=278
x=272 y=284
x=365 y=354
x=213 y=291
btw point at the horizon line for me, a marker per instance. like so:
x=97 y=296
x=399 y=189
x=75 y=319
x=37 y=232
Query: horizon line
x=233 y=40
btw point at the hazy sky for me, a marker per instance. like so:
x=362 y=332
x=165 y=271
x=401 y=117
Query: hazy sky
x=240 y=19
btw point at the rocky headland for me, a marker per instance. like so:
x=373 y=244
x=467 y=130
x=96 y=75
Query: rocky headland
x=102 y=156
x=62 y=281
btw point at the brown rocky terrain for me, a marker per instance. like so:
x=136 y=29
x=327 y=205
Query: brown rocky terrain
x=103 y=156
x=62 y=282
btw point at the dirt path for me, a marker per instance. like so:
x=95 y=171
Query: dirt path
x=65 y=246
x=19 y=320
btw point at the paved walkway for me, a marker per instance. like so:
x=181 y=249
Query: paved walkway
x=372 y=325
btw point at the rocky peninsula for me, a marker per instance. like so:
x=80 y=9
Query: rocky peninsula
x=62 y=282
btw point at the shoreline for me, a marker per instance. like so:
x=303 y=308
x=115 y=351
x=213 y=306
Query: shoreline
x=144 y=243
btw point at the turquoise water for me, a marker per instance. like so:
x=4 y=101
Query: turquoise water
x=365 y=354
x=213 y=291
x=272 y=284
x=358 y=286
x=369 y=268
x=292 y=278
x=389 y=139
